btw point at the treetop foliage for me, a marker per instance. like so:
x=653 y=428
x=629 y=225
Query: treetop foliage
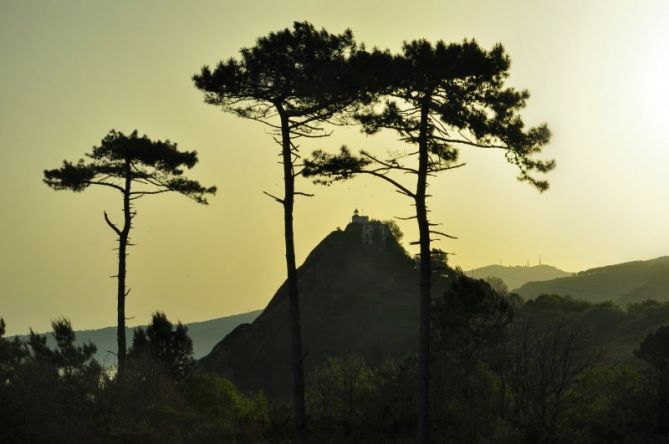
x=309 y=74
x=168 y=344
x=470 y=312
x=654 y=349
x=66 y=358
x=67 y=354
x=460 y=88
x=11 y=352
x=327 y=168
x=158 y=166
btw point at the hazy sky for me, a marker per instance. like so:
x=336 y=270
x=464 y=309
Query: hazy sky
x=597 y=71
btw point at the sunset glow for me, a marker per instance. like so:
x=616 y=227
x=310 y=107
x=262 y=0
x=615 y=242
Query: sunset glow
x=597 y=72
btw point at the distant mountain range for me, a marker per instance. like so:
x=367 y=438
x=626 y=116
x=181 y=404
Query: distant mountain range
x=517 y=276
x=205 y=335
x=621 y=283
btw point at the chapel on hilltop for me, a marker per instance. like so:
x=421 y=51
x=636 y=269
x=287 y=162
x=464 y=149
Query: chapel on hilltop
x=372 y=232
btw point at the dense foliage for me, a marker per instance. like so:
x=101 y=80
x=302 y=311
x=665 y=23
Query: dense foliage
x=63 y=395
x=503 y=371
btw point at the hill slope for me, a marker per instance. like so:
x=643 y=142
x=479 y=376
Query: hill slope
x=205 y=335
x=622 y=283
x=353 y=298
x=517 y=276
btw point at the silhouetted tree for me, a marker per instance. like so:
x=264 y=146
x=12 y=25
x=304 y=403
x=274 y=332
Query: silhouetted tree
x=547 y=360
x=293 y=81
x=498 y=284
x=470 y=319
x=136 y=167
x=170 y=346
x=351 y=402
x=11 y=354
x=338 y=386
x=469 y=322
x=654 y=349
x=67 y=356
x=441 y=97
x=395 y=229
x=48 y=394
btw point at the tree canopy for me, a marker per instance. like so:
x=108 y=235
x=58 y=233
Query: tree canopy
x=169 y=345
x=157 y=166
x=307 y=74
x=654 y=349
x=449 y=96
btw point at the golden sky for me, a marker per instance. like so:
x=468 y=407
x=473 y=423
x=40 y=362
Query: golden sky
x=597 y=71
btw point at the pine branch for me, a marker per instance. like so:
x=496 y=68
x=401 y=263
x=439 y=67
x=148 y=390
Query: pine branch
x=111 y=224
x=439 y=233
x=281 y=201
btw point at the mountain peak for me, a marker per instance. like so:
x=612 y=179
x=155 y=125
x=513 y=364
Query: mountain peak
x=358 y=294
x=518 y=275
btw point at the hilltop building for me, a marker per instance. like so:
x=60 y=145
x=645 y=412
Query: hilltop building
x=357 y=219
x=372 y=232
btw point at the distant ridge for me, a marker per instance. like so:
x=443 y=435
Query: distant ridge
x=205 y=335
x=624 y=283
x=517 y=276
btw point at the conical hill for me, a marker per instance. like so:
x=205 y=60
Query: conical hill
x=358 y=294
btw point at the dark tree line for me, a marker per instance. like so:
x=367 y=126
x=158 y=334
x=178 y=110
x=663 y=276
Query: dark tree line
x=654 y=349
x=63 y=395
x=503 y=371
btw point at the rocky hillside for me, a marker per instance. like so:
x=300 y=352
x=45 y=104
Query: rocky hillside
x=358 y=293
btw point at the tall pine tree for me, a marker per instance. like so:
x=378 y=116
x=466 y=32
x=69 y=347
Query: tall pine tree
x=134 y=166
x=293 y=81
x=439 y=98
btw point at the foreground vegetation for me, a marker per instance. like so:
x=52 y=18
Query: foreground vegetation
x=549 y=370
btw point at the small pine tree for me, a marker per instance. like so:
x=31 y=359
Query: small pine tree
x=166 y=344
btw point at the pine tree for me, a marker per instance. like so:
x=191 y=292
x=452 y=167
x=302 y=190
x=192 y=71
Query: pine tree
x=294 y=82
x=135 y=167
x=439 y=98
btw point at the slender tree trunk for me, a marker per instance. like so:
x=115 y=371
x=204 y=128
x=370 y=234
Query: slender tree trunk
x=662 y=418
x=423 y=431
x=502 y=398
x=293 y=297
x=121 y=293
